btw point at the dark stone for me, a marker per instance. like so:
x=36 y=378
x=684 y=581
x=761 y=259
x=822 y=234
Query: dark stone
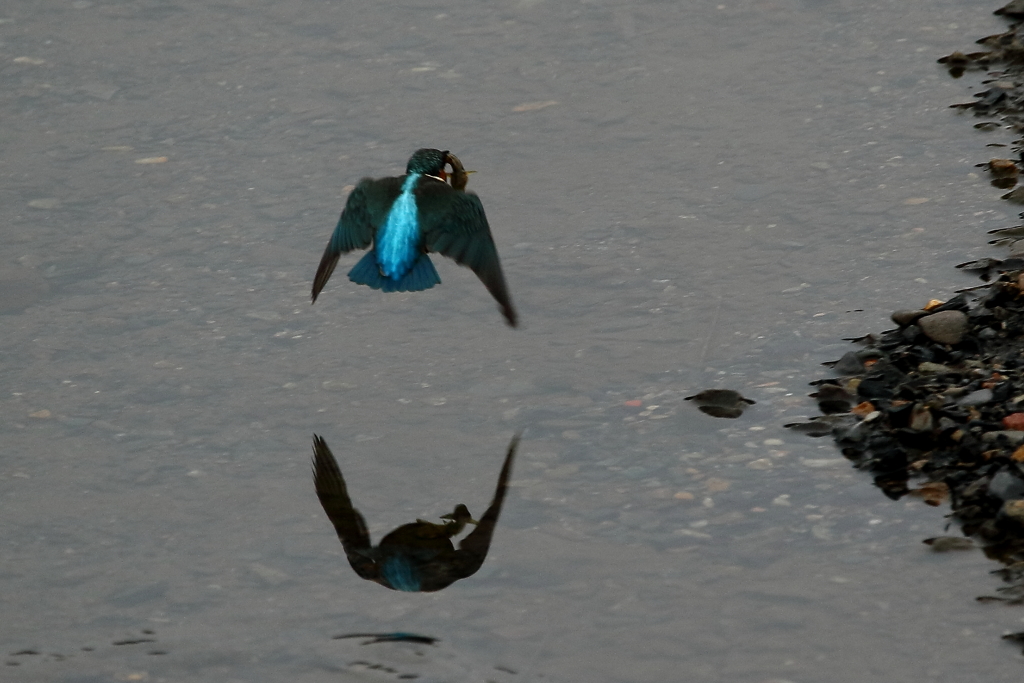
x=849 y=364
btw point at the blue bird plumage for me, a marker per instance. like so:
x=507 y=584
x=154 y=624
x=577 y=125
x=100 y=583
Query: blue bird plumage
x=421 y=276
x=400 y=574
x=402 y=219
x=398 y=239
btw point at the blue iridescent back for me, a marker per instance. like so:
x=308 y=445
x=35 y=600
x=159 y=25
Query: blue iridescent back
x=397 y=243
x=400 y=574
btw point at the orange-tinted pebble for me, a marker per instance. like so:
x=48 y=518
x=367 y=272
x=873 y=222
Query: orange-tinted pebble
x=862 y=409
x=1014 y=421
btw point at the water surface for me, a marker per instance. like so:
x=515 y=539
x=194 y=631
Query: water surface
x=684 y=196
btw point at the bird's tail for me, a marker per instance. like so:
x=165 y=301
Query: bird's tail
x=421 y=276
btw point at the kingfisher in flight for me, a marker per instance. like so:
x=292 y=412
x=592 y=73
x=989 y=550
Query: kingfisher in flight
x=416 y=557
x=402 y=219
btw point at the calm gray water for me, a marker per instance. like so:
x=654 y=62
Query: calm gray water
x=684 y=196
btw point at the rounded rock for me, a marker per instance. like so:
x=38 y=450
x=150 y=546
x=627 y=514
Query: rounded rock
x=906 y=316
x=1013 y=509
x=944 y=327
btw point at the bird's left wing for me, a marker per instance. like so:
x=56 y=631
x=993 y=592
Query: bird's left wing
x=365 y=209
x=457 y=227
x=348 y=523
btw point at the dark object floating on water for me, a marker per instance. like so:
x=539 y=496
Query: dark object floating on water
x=414 y=557
x=398 y=637
x=942 y=544
x=134 y=641
x=720 y=402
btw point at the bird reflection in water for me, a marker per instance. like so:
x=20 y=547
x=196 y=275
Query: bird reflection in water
x=414 y=557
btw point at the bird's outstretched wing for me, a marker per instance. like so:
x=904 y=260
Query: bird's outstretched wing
x=333 y=495
x=365 y=210
x=456 y=226
x=473 y=548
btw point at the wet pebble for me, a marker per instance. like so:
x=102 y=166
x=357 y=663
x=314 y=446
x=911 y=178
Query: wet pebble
x=1014 y=510
x=1013 y=10
x=1014 y=421
x=921 y=419
x=1007 y=485
x=907 y=316
x=833 y=398
x=1014 y=438
x=940 y=404
x=976 y=398
x=944 y=327
x=934 y=368
x=849 y=364
x=943 y=544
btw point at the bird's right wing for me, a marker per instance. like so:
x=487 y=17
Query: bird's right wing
x=459 y=230
x=473 y=548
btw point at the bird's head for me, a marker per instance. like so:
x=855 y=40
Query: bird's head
x=428 y=161
x=460 y=515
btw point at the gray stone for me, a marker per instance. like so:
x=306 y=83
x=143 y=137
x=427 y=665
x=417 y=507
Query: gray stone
x=936 y=368
x=849 y=364
x=1006 y=485
x=1013 y=437
x=907 y=316
x=944 y=327
x=976 y=398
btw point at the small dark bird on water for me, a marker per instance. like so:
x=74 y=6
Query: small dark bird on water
x=406 y=217
x=414 y=557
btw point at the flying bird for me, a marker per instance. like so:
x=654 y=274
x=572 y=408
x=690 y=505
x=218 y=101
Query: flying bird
x=402 y=219
x=417 y=556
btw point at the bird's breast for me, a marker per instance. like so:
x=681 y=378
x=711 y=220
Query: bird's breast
x=398 y=239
